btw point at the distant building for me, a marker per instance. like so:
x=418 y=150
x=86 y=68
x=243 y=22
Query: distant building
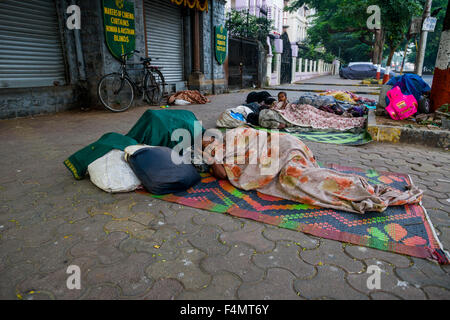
x=297 y=23
x=271 y=9
x=294 y=23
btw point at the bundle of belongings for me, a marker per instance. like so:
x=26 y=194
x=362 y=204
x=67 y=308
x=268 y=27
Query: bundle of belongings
x=122 y=163
x=332 y=110
x=247 y=113
x=187 y=97
x=405 y=96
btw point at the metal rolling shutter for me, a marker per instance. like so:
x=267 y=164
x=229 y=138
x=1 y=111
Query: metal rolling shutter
x=164 y=32
x=30 y=45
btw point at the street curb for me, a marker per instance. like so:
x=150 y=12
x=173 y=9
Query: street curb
x=392 y=134
x=338 y=84
x=320 y=91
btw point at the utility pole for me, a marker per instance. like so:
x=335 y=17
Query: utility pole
x=440 y=91
x=423 y=40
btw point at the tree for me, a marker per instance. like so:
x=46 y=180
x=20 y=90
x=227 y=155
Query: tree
x=397 y=29
x=242 y=24
x=350 y=17
x=311 y=52
x=433 y=37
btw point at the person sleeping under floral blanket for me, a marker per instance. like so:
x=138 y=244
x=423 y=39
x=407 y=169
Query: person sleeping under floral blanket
x=281 y=165
x=303 y=115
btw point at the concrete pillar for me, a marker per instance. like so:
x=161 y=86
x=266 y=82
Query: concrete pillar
x=269 y=68
x=293 y=69
x=311 y=66
x=300 y=63
x=277 y=53
x=294 y=50
x=278 y=70
x=306 y=65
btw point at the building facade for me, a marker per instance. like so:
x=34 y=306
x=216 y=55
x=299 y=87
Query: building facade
x=283 y=65
x=297 y=23
x=47 y=67
x=270 y=9
x=294 y=23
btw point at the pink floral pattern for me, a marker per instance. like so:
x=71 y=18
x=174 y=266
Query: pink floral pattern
x=304 y=115
x=286 y=168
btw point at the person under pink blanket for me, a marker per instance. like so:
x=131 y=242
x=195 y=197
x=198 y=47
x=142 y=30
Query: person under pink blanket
x=281 y=165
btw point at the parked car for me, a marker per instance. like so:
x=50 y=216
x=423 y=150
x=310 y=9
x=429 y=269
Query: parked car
x=355 y=63
x=361 y=71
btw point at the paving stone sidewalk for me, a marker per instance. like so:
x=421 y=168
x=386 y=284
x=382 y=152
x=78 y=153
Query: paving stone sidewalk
x=130 y=246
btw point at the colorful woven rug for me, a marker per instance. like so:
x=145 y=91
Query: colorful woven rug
x=402 y=229
x=343 y=138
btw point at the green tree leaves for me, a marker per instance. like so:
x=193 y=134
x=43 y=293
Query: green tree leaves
x=346 y=21
x=242 y=24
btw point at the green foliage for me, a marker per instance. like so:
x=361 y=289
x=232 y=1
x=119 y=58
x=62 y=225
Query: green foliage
x=433 y=39
x=345 y=21
x=242 y=24
x=311 y=52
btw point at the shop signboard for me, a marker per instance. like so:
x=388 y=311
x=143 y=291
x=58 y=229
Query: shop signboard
x=119 y=25
x=221 y=43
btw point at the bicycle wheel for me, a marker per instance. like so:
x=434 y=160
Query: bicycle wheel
x=115 y=93
x=154 y=87
x=159 y=78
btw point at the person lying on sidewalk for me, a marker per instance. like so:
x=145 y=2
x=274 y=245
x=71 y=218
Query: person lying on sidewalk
x=283 y=166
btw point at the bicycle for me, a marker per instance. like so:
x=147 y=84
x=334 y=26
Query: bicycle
x=117 y=90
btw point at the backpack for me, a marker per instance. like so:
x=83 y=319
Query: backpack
x=401 y=106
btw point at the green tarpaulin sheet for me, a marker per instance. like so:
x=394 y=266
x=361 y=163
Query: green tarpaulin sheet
x=154 y=128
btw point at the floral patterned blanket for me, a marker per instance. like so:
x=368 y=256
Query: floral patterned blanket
x=304 y=115
x=280 y=165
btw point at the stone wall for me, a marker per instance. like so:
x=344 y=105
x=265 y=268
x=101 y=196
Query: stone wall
x=214 y=73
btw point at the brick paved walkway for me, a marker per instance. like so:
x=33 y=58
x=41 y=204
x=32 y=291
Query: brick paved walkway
x=132 y=246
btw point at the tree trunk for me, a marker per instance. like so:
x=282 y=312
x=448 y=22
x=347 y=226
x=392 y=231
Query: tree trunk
x=391 y=55
x=440 y=91
x=377 y=54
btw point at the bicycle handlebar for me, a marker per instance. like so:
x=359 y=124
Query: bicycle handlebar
x=125 y=56
x=130 y=53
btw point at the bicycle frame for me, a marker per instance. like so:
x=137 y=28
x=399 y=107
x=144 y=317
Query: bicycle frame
x=145 y=85
x=124 y=74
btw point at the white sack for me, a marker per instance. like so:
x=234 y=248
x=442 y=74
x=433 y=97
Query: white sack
x=112 y=173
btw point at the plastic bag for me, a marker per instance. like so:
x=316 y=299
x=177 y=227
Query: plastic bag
x=180 y=102
x=161 y=171
x=227 y=120
x=112 y=174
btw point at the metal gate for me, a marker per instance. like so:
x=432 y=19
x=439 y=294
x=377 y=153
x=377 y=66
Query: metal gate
x=164 y=34
x=31 y=54
x=243 y=59
x=286 y=60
